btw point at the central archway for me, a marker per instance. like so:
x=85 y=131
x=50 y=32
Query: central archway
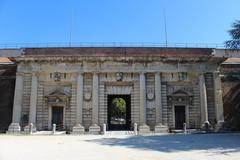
x=119 y=112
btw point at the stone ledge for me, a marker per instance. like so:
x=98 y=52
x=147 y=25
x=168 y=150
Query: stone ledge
x=143 y=129
x=159 y=128
x=14 y=128
x=27 y=129
x=78 y=129
x=94 y=129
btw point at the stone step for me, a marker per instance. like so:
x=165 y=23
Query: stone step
x=49 y=133
x=120 y=133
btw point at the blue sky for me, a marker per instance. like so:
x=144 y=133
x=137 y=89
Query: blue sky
x=138 y=21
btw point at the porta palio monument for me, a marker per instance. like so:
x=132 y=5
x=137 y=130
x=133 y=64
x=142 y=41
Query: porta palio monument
x=80 y=89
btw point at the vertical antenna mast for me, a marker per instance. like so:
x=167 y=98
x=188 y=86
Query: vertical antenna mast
x=165 y=25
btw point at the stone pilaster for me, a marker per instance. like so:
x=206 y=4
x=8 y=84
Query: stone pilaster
x=17 y=105
x=143 y=128
x=159 y=127
x=78 y=128
x=33 y=103
x=95 y=128
x=218 y=101
x=203 y=100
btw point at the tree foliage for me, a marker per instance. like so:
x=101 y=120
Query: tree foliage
x=234 y=43
x=119 y=107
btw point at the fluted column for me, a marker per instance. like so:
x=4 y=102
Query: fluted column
x=33 y=99
x=142 y=98
x=95 y=128
x=218 y=101
x=143 y=128
x=95 y=87
x=158 y=98
x=17 y=105
x=79 y=107
x=203 y=99
x=159 y=127
x=78 y=128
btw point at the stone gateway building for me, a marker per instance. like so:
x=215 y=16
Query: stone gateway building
x=80 y=89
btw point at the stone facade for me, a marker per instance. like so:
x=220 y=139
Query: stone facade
x=159 y=81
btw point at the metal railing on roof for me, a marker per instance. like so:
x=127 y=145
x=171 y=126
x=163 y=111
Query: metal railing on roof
x=110 y=44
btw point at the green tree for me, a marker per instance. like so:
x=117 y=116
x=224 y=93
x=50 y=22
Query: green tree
x=234 y=43
x=119 y=107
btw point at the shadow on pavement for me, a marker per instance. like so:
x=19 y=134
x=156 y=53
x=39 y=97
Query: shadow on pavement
x=219 y=143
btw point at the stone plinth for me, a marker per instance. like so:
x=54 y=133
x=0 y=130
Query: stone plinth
x=159 y=128
x=143 y=129
x=219 y=126
x=28 y=127
x=14 y=128
x=94 y=129
x=78 y=129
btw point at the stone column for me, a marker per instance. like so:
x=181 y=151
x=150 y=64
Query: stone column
x=78 y=128
x=17 y=105
x=94 y=128
x=33 y=103
x=203 y=100
x=159 y=127
x=143 y=128
x=158 y=98
x=218 y=101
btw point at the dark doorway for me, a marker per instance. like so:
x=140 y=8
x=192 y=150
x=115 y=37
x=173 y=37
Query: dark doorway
x=180 y=117
x=119 y=112
x=57 y=117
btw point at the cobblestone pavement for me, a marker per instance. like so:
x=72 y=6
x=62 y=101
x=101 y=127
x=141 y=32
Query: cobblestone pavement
x=121 y=147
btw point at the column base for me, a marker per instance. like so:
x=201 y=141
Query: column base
x=206 y=126
x=160 y=128
x=219 y=127
x=94 y=129
x=143 y=129
x=27 y=129
x=14 y=128
x=78 y=129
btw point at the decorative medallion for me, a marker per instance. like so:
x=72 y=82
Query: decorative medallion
x=88 y=94
x=150 y=94
x=119 y=76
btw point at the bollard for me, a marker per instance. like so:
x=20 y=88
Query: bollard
x=135 y=129
x=104 y=128
x=54 y=129
x=30 y=128
x=184 y=128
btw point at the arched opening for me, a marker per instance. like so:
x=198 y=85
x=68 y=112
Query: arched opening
x=119 y=112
